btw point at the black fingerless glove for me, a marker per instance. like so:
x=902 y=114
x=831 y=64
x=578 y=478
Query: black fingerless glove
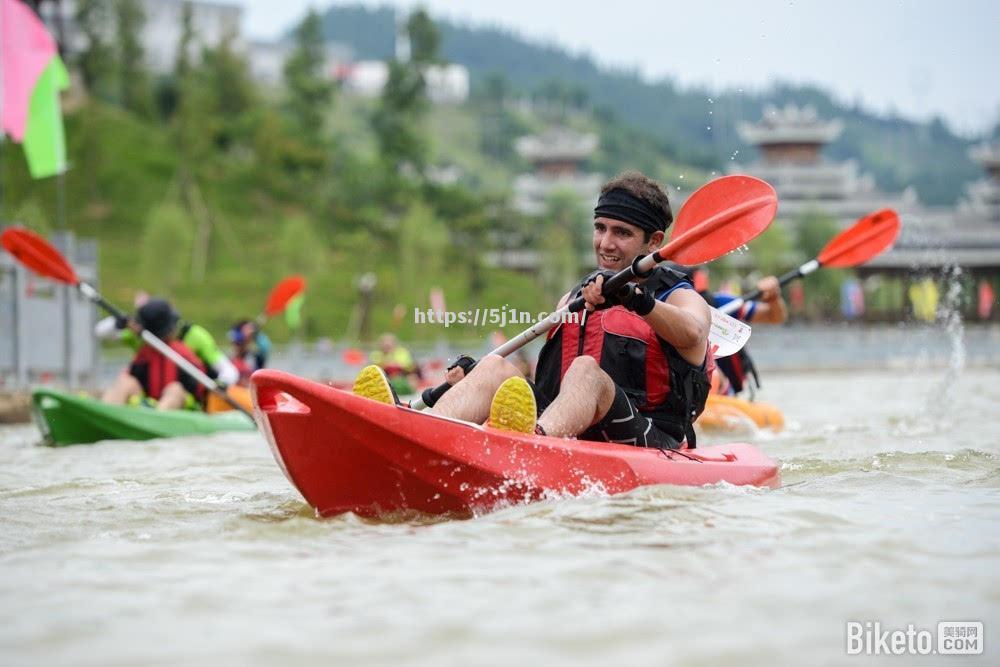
x=121 y=322
x=637 y=299
x=465 y=362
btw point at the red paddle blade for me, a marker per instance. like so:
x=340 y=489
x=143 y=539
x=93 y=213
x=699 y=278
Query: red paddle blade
x=283 y=292
x=37 y=254
x=719 y=217
x=863 y=240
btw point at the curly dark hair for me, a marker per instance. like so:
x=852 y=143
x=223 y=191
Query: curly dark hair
x=643 y=187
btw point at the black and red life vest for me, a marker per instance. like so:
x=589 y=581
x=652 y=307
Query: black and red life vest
x=661 y=383
x=154 y=371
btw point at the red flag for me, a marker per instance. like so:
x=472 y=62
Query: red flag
x=986 y=300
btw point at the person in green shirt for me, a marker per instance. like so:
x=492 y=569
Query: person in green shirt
x=398 y=364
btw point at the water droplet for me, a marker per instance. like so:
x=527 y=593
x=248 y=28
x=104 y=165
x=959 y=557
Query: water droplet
x=682 y=177
x=708 y=127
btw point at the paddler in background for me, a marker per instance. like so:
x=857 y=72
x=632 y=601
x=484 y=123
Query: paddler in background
x=250 y=348
x=398 y=364
x=737 y=370
x=151 y=377
x=592 y=373
x=195 y=337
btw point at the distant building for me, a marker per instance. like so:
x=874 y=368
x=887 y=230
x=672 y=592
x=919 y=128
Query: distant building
x=212 y=22
x=267 y=60
x=446 y=84
x=790 y=141
x=557 y=157
x=967 y=236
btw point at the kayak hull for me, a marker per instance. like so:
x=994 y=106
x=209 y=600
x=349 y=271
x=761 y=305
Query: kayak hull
x=349 y=454
x=65 y=419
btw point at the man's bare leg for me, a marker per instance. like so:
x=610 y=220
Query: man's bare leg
x=123 y=388
x=585 y=396
x=173 y=397
x=470 y=399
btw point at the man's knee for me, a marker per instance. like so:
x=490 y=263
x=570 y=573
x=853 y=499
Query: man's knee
x=585 y=368
x=496 y=367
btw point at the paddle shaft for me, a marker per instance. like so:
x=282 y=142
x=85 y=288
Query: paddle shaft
x=88 y=291
x=800 y=272
x=613 y=284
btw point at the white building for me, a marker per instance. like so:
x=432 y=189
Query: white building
x=446 y=84
x=161 y=33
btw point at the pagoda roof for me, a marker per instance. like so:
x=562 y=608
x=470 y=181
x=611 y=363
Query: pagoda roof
x=790 y=125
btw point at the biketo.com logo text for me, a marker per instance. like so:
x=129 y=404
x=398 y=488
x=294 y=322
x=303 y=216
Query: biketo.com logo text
x=953 y=638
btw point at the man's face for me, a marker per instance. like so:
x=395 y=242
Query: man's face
x=617 y=243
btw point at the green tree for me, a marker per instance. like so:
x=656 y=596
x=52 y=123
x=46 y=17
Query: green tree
x=398 y=121
x=227 y=74
x=771 y=250
x=96 y=59
x=562 y=243
x=310 y=92
x=424 y=38
x=822 y=288
x=134 y=88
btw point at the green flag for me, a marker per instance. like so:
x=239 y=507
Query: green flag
x=44 y=138
x=293 y=312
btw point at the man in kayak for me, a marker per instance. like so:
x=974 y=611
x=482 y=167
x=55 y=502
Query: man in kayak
x=633 y=369
x=195 y=337
x=251 y=348
x=769 y=308
x=151 y=375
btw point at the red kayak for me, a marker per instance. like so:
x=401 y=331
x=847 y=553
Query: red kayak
x=345 y=453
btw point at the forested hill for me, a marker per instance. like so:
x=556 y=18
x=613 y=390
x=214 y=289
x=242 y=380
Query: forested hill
x=699 y=125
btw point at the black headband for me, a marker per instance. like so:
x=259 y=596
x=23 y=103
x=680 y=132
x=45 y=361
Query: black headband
x=619 y=204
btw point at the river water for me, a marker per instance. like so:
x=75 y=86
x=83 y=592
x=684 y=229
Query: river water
x=198 y=551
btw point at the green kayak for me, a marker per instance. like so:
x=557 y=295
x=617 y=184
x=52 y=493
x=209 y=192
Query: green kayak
x=65 y=419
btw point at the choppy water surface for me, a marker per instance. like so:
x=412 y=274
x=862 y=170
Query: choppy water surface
x=198 y=551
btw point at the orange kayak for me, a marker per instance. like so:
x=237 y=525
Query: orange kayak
x=728 y=413
x=239 y=394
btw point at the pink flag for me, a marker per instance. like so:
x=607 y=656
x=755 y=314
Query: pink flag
x=26 y=48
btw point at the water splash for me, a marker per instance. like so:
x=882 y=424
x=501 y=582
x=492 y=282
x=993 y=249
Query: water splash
x=950 y=313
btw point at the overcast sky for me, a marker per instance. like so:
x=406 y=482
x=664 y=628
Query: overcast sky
x=919 y=57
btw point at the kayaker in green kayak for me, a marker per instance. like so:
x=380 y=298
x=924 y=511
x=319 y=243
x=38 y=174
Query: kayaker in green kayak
x=250 y=348
x=196 y=337
x=398 y=364
x=634 y=368
x=153 y=376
